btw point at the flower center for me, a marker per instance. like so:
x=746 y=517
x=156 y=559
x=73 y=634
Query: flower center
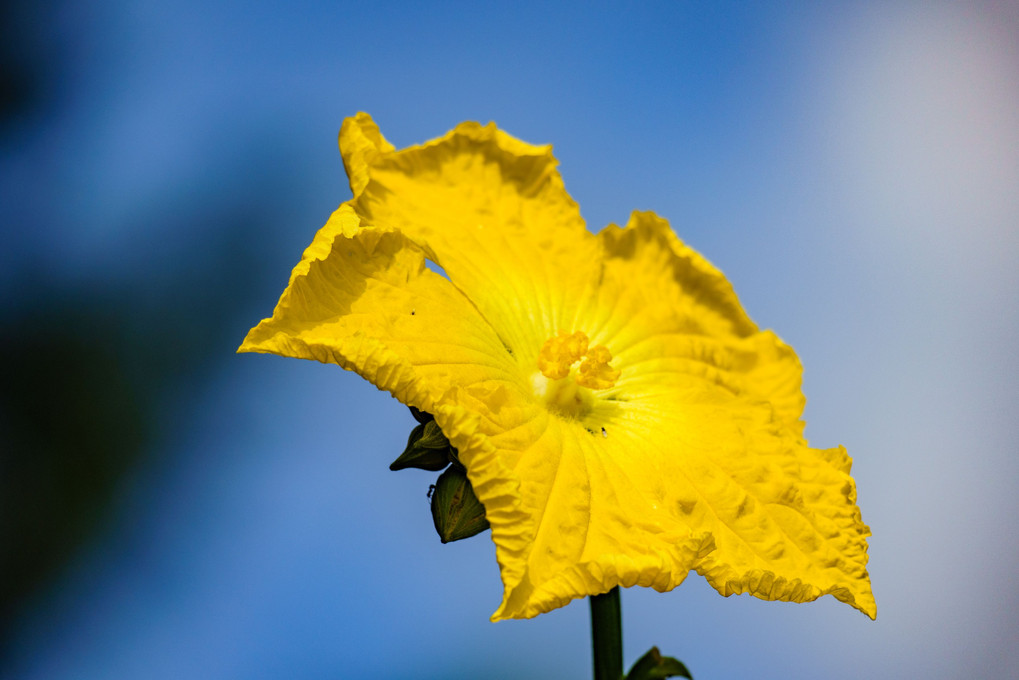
x=564 y=388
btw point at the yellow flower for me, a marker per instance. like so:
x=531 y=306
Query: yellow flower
x=620 y=416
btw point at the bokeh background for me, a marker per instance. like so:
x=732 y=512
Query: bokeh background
x=169 y=509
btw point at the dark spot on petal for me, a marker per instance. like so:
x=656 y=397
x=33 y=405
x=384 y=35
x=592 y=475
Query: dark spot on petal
x=505 y=345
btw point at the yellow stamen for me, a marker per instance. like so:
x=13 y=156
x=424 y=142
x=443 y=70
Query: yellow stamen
x=595 y=371
x=560 y=352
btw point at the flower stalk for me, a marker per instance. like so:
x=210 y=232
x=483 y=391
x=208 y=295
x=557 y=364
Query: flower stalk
x=607 y=635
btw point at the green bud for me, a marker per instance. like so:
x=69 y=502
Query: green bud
x=419 y=415
x=456 y=511
x=654 y=666
x=427 y=449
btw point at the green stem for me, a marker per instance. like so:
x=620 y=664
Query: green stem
x=607 y=635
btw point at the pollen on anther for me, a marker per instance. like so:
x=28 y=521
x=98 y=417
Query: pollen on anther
x=559 y=353
x=595 y=371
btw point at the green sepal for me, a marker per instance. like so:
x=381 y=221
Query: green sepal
x=456 y=511
x=427 y=449
x=653 y=666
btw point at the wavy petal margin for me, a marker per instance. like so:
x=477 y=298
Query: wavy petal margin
x=693 y=460
x=362 y=298
x=489 y=209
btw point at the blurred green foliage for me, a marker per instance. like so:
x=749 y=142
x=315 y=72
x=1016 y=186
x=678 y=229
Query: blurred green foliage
x=91 y=359
x=74 y=420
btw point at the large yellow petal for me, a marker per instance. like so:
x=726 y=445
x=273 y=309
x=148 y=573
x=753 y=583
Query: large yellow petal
x=362 y=297
x=781 y=516
x=662 y=286
x=720 y=402
x=492 y=212
x=580 y=512
x=687 y=292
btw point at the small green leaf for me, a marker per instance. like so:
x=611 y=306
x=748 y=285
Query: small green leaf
x=456 y=511
x=427 y=449
x=653 y=666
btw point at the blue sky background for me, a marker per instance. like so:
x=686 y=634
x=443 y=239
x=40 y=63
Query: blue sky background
x=853 y=168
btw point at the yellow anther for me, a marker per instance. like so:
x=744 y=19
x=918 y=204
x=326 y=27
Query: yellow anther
x=595 y=372
x=562 y=351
